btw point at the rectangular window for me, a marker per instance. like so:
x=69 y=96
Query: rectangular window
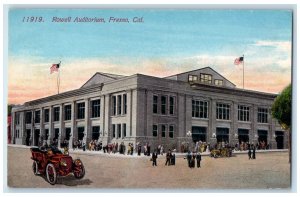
x=119 y=104
x=119 y=130
x=163 y=130
x=193 y=78
x=218 y=82
x=96 y=108
x=155 y=104
x=124 y=103
x=154 y=131
x=114 y=130
x=17 y=120
x=68 y=111
x=56 y=113
x=243 y=113
x=124 y=130
x=163 y=104
x=95 y=132
x=28 y=117
x=37 y=116
x=223 y=111
x=171 y=131
x=46 y=115
x=171 y=105
x=80 y=110
x=114 y=104
x=199 y=109
x=205 y=78
x=262 y=116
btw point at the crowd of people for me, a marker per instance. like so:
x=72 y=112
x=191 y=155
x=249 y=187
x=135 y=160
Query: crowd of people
x=192 y=158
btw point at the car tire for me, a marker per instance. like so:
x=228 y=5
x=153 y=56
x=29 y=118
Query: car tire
x=35 y=168
x=80 y=175
x=51 y=174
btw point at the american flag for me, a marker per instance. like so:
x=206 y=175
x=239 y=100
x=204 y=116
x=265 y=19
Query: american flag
x=238 y=60
x=54 y=68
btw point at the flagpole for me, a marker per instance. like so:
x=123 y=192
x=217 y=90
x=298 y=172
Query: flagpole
x=243 y=71
x=58 y=78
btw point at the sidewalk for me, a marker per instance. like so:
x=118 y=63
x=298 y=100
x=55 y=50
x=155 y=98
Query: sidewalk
x=178 y=155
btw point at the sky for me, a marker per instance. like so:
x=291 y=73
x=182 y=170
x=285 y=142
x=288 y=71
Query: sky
x=166 y=42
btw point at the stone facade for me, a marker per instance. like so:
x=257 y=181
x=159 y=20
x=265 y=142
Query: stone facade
x=146 y=109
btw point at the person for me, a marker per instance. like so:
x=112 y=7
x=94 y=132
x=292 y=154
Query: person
x=139 y=149
x=193 y=160
x=253 y=153
x=249 y=152
x=168 y=157
x=173 y=159
x=198 y=158
x=189 y=158
x=154 y=158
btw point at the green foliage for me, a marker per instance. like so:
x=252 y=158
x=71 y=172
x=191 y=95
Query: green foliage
x=282 y=107
x=9 y=107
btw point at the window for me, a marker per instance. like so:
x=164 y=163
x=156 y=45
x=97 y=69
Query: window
x=68 y=112
x=171 y=105
x=243 y=113
x=37 y=115
x=171 y=131
x=163 y=104
x=80 y=133
x=119 y=130
x=223 y=111
x=95 y=132
x=205 y=78
x=124 y=130
x=114 y=130
x=262 y=115
x=46 y=134
x=163 y=130
x=124 y=103
x=28 y=117
x=17 y=120
x=155 y=104
x=199 y=109
x=119 y=104
x=114 y=103
x=193 y=78
x=96 y=108
x=80 y=110
x=17 y=133
x=154 y=131
x=218 y=82
x=56 y=113
x=46 y=111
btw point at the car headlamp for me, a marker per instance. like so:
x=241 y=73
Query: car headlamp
x=63 y=163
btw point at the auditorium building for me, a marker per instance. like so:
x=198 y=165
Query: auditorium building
x=198 y=105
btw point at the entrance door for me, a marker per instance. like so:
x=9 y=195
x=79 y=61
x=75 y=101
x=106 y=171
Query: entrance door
x=262 y=139
x=243 y=135
x=222 y=135
x=36 y=137
x=199 y=134
x=28 y=137
x=279 y=139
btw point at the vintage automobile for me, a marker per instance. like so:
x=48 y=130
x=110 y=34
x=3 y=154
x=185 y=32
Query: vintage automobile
x=51 y=163
x=223 y=152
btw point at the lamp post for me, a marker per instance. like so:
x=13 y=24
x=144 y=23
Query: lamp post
x=188 y=135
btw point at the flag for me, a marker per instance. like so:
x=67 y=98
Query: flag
x=238 y=60
x=54 y=68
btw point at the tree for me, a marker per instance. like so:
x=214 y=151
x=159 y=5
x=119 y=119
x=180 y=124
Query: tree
x=282 y=111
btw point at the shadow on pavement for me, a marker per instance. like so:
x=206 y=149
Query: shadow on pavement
x=70 y=181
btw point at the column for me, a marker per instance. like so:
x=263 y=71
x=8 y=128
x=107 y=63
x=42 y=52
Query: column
x=87 y=126
x=42 y=127
x=32 y=137
x=23 y=127
x=12 y=129
x=234 y=118
x=74 y=135
x=61 y=126
x=212 y=123
x=107 y=135
x=51 y=130
x=254 y=133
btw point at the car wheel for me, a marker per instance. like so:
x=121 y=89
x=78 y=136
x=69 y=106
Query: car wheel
x=51 y=174
x=35 y=168
x=79 y=174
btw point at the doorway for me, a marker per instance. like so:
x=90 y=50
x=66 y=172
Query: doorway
x=279 y=139
x=36 y=137
x=243 y=135
x=199 y=134
x=223 y=135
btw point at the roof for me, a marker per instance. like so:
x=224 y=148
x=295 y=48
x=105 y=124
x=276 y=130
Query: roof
x=108 y=77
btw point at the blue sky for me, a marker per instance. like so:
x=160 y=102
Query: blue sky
x=168 y=42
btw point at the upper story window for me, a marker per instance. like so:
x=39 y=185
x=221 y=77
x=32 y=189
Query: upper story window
x=199 y=109
x=46 y=115
x=96 y=108
x=171 y=131
x=154 y=131
x=163 y=130
x=28 y=117
x=262 y=116
x=223 y=111
x=119 y=104
x=205 y=78
x=68 y=111
x=56 y=113
x=155 y=104
x=163 y=104
x=80 y=110
x=218 y=82
x=37 y=115
x=124 y=103
x=114 y=104
x=193 y=78
x=171 y=105
x=243 y=113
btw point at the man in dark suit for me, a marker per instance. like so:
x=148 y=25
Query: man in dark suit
x=168 y=157
x=198 y=158
x=154 y=158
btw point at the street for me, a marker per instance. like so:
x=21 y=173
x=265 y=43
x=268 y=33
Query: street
x=104 y=171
